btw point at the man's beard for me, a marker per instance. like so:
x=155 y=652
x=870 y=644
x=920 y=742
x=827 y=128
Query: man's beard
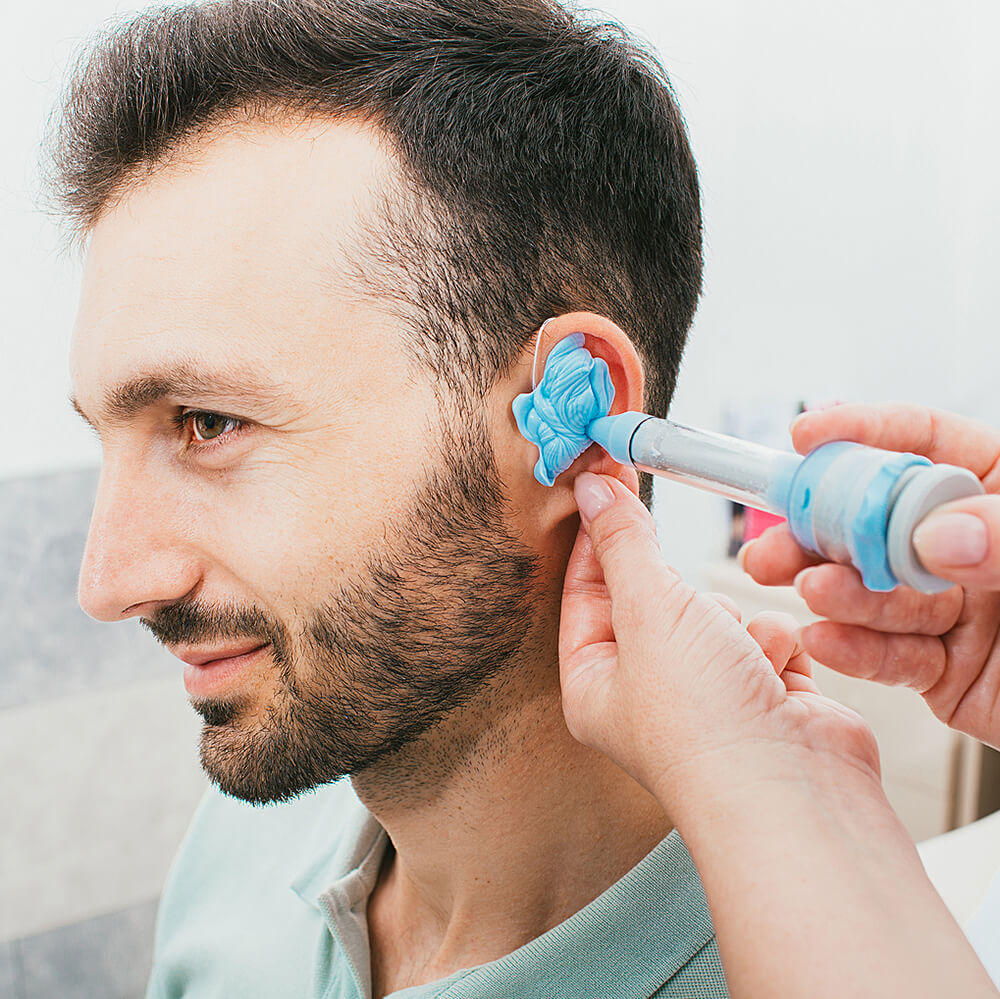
x=423 y=627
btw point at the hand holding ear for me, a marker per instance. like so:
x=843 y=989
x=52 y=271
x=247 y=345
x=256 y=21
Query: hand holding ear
x=774 y=787
x=666 y=681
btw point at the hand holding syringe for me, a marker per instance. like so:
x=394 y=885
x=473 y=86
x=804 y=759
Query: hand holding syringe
x=945 y=646
x=849 y=503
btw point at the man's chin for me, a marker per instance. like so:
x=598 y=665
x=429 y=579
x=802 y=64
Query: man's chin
x=218 y=711
x=240 y=772
x=236 y=759
x=257 y=766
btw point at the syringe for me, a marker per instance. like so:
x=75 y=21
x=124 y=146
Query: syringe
x=849 y=503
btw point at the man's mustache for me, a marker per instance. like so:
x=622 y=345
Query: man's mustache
x=188 y=622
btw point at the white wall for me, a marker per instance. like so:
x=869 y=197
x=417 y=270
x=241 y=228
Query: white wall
x=38 y=287
x=848 y=154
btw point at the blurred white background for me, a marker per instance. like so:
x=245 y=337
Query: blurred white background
x=848 y=155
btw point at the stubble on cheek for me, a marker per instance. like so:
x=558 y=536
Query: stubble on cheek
x=415 y=630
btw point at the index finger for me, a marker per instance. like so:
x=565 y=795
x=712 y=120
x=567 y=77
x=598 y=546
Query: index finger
x=775 y=558
x=938 y=435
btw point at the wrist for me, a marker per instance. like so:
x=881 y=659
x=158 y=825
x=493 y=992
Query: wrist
x=737 y=784
x=807 y=846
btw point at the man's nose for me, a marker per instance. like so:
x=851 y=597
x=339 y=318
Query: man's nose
x=135 y=559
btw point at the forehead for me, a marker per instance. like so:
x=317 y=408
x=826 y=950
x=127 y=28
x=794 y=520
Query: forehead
x=237 y=248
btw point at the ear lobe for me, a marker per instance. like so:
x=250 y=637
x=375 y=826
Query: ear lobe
x=605 y=340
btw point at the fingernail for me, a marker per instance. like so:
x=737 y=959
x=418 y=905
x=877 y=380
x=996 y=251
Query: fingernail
x=799 y=582
x=952 y=539
x=741 y=555
x=593 y=495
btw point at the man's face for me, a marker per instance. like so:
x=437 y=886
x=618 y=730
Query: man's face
x=285 y=500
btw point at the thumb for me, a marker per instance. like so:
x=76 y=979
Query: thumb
x=622 y=534
x=960 y=541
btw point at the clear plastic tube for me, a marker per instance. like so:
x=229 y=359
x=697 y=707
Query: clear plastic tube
x=747 y=473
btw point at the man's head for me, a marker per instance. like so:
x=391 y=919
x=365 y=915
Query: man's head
x=321 y=237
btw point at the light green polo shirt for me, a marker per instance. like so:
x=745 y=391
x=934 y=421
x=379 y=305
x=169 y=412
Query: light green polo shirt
x=269 y=903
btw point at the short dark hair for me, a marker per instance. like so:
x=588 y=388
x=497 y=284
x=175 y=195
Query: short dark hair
x=546 y=163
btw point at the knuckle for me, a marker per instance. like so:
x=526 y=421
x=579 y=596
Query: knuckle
x=882 y=613
x=614 y=533
x=927 y=423
x=776 y=621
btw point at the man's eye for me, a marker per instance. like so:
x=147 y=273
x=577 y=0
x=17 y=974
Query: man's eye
x=211 y=426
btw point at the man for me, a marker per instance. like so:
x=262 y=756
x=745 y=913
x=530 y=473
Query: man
x=321 y=237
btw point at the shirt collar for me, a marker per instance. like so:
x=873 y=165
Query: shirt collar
x=631 y=939
x=361 y=837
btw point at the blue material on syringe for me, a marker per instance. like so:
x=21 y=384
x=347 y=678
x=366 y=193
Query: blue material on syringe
x=847 y=502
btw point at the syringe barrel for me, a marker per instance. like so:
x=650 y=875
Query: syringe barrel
x=852 y=504
x=744 y=472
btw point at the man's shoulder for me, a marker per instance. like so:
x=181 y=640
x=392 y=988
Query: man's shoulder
x=233 y=893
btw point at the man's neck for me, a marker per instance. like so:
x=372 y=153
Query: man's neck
x=527 y=831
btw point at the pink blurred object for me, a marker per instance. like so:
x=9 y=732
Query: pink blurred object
x=756 y=522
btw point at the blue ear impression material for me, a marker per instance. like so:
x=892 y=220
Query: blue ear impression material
x=575 y=390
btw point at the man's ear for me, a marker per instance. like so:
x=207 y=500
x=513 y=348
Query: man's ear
x=603 y=339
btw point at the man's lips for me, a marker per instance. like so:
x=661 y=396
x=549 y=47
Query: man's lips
x=212 y=672
x=206 y=657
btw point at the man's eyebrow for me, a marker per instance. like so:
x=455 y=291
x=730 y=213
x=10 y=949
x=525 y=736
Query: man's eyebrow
x=124 y=402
